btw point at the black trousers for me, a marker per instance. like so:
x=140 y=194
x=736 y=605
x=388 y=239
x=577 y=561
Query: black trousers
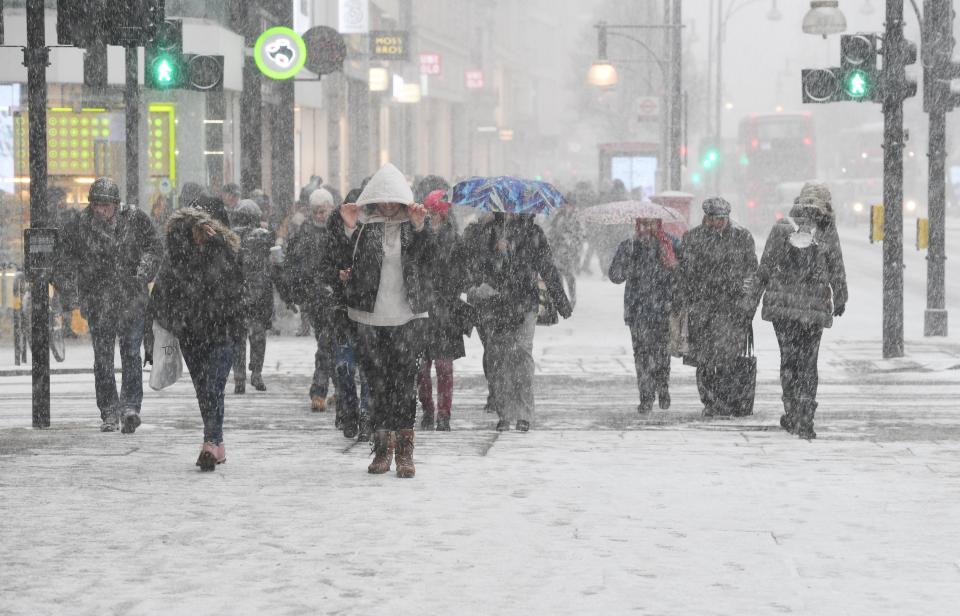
x=799 y=352
x=388 y=358
x=651 y=358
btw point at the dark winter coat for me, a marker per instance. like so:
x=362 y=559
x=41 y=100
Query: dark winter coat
x=648 y=296
x=450 y=318
x=513 y=275
x=714 y=267
x=197 y=295
x=109 y=270
x=364 y=255
x=257 y=287
x=309 y=283
x=802 y=284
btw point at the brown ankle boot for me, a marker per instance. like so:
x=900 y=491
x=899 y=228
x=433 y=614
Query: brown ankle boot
x=382 y=452
x=405 y=467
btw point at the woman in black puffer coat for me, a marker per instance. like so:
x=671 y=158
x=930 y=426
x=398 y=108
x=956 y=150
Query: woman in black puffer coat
x=802 y=281
x=197 y=297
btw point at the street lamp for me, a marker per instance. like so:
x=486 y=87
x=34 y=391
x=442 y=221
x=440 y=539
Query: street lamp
x=823 y=18
x=602 y=74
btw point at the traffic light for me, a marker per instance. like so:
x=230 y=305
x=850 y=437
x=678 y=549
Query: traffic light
x=858 y=67
x=938 y=46
x=909 y=84
x=709 y=156
x=821 y=85
x=163 y=64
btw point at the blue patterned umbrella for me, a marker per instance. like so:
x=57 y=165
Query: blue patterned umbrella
x=507 y=194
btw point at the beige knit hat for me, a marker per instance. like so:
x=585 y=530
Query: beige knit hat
x=815 y=194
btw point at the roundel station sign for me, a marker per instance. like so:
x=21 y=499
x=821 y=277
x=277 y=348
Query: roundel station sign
x=280 y=53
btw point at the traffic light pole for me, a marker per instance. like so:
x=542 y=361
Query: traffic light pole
x=35 y=57
x=131 y=103
x=676 y=96
x=935 y=316
x=937 y=31
x=894 y=91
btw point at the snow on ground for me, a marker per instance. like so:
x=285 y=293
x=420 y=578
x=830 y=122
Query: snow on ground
x=597 y=510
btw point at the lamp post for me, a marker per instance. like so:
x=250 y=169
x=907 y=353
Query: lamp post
x=602 y=73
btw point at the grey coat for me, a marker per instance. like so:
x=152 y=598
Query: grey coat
x=714 y=267
x=805 y=285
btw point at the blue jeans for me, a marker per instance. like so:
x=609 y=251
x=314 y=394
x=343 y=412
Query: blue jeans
x=104 y=332
x=209 y=367
x=346 y=366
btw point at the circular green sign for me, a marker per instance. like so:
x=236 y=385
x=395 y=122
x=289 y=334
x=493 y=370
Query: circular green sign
x=280 y=53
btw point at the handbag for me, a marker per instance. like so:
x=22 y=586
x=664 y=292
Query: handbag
x=546 y=310
x=742 y=384
x=167 y=360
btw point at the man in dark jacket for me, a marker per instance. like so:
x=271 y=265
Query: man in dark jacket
x=648 y=264
x=310 y=288
x=257 y=294
x=803 y=285
x=717 y=259
x=513 y=256
x=115 y=252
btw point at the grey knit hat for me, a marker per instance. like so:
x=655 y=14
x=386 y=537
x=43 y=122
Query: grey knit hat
x=815 y=194
x=716 y=206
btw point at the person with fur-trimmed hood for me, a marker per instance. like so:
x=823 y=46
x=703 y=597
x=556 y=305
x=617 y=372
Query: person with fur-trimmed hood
x=717 y=259
x=387 y=292
x=257 y=293
x=197 y=297
x=803 y=285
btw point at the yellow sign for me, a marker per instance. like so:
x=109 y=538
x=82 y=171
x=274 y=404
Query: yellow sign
x=78 y=143
x=161 y=141
x=876 y=223
x=923 y=233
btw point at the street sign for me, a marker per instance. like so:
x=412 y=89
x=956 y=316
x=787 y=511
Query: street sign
x=474 y=80
x=326 y=50
x=430 y=63
x=354 y=16
x=41 y=246
x=389 y=45
x=648 y=106
x=280 y=53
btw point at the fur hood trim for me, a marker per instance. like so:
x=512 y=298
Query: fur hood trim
x=184 y=220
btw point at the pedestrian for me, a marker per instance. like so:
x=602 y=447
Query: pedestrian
x=352 y=410
x=256 y=294
x=566 y=240
x=448 y=320
x=312 y=290
x=63 y=217
x=114 y=252
x=717 y=258
x=190 y=194
x=512 y=256
x=472 y=244
x=648 y=264
x=803 y=285
x=197 y=297
x=230 y=196
x=387 y=291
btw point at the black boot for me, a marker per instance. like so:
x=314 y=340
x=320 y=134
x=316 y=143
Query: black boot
x=663 y=396
x=426 y=422
x=363 y=436
x=257 y=381
x=806 y=408
x=788 y=421
x=240 y=385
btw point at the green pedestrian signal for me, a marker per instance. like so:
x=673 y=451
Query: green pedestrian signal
x=164 y=72
x=856 y=84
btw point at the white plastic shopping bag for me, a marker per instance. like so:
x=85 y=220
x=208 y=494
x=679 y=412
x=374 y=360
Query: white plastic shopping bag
x=167 y=361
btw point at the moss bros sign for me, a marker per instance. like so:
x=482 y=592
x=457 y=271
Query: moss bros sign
x=389 y=45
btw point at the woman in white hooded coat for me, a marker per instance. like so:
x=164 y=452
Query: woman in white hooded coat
x=388 y=293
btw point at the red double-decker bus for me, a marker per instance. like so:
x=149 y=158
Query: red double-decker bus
x=776 y=154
